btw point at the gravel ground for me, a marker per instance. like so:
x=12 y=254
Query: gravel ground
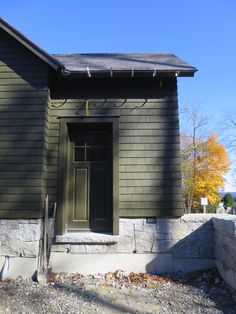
x=119 y=292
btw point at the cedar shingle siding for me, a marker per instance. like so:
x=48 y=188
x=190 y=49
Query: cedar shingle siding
x=149 y=159
x=23 y=98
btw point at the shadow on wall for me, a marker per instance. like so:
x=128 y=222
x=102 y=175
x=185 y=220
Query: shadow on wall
x=23 y=98
x=180 y=249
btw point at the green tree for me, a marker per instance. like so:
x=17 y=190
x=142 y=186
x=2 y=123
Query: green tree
x=228 y=200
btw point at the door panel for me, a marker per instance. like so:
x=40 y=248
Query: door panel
x=78 y=195
x=81 y=209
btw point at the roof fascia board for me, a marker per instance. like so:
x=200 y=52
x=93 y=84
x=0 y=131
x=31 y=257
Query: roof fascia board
x=30 y=45
x=126 y=73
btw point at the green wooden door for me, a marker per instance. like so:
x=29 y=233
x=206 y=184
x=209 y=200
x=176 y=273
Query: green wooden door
x=90 y=179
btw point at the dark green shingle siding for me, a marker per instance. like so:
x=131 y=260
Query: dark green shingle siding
x=149 y=156
x=23 y=98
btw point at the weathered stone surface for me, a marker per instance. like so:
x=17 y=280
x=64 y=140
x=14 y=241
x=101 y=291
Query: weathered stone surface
x=171 y=230
x=225 y=226
x=125 y=245
x=197 y=218
x=95 y=249
x=30 y=221
x=27 y=232
x=225 y=248
x=163 y=226
x=126 y=227
x=87 y=237
x=208 y=249
x=77 y=249
x=20 y=237
x=187 y=248
x=149 y=227
x=14 y=247
x=60 y=248
x=163 y=246
x=138 y=224
x=189 y=239
x=228 y=274
x=144 y=241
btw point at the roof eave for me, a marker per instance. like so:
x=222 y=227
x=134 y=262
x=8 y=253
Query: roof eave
x=131 y=73
x=43 y=55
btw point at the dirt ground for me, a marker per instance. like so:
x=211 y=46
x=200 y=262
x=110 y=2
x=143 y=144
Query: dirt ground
x=119 y=292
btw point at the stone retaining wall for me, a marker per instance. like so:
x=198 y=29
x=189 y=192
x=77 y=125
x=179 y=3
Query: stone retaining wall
x=225 y=248
x=154 y=245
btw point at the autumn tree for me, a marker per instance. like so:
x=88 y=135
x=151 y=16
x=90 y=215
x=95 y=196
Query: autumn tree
x=193 y=132
x=204 y=162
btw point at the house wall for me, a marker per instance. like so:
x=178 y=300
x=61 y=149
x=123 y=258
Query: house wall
x=149 y=156
x=23 y=98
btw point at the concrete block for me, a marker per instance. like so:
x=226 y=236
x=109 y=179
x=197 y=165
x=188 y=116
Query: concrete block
x=102 y=263
x=20 y=266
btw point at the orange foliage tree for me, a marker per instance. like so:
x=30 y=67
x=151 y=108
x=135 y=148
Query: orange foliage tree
x=204 y=163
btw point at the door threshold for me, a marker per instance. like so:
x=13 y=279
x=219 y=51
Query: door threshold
x=87 y=237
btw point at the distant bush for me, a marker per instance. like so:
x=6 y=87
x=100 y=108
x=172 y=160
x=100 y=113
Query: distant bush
x=228 y=200
x=211 y=209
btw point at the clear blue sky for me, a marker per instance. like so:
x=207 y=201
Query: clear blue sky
x=202 y=32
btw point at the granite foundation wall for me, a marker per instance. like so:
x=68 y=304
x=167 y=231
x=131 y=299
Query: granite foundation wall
x=157 y=245
x=225 y=247
x=19 y=238
x=185 y=244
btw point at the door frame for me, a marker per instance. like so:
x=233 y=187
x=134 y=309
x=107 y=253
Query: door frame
x=62 y=188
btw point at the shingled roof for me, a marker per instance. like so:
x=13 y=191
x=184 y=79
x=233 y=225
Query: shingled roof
x=106 y=63
x=122 y=62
